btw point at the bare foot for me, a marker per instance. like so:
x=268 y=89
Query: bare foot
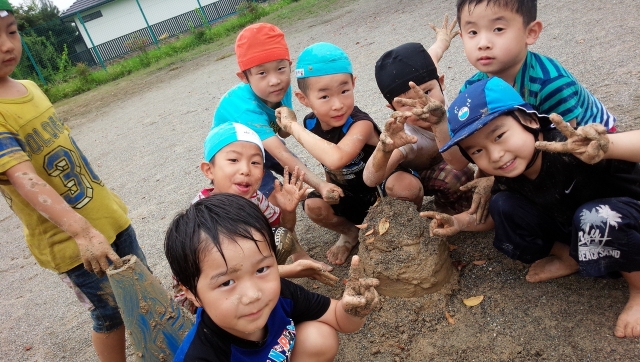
x=628 y=324
x=551 y=267
x=339 y=252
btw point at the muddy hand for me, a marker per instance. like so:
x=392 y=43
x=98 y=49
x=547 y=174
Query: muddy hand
x=589 y=143
x=446 y=32
x=330 y=193
x=393 y=136
x=442 y=224
x=424 y=107
x=315 y=270
x=481 y=195
x=285 y=118
x=291 y=191
x=95 y=252
x=360 y=296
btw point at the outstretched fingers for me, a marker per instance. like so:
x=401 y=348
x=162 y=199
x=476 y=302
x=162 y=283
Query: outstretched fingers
x=562 y=126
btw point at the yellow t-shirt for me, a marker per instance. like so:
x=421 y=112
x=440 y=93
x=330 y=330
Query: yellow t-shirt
x=31 y=131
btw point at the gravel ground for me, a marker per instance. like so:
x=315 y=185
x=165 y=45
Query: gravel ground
x=143 y=135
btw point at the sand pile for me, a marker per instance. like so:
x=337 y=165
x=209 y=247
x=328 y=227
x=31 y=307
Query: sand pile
x=396 y=248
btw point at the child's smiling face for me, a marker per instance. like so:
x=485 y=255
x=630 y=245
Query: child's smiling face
x=237 y=169
x=502 y=148
x=239 y=294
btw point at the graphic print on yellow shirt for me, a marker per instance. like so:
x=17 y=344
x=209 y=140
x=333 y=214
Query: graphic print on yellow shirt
x=31 y=131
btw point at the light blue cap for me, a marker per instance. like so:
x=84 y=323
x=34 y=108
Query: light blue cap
x=322 y=59
x=227 y=133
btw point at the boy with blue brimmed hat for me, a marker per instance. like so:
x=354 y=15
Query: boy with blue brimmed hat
x=572 y=208
x=234 y=163
x=339 y=135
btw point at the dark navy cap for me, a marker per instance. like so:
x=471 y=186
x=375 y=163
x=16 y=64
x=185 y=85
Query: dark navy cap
x=406 y=63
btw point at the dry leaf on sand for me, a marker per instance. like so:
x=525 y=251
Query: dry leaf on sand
x=449 y=318
x=369 y=232
x=479 y=262
x=362 y=226
x=383 y=226
x=473 y=301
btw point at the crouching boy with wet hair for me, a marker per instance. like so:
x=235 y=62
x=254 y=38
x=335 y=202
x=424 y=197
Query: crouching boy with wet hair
x=221 y=250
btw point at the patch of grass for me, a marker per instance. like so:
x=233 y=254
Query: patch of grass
x=187 y=46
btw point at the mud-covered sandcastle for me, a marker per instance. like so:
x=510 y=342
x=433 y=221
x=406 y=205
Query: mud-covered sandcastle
x=396 y=248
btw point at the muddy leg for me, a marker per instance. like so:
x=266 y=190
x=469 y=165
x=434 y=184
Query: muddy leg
x=322 y=214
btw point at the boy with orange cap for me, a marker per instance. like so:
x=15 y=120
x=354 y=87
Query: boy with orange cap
x=265 y=72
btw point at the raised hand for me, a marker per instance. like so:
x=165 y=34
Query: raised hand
x=446 y=32
x=424 y=107
x=481 y=195
x=360 y=296
x=285 y=118
x=442 y=224
x=393 y=135
x=589 y=143
x=291 y=191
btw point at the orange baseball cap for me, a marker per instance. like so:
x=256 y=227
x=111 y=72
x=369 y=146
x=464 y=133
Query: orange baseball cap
x=260 y=43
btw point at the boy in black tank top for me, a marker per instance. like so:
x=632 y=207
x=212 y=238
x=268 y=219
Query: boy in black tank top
x=339 y=135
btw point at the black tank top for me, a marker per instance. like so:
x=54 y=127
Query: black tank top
x=349 y=178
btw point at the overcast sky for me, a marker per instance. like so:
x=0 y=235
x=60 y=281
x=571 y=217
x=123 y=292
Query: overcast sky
x=61 y=4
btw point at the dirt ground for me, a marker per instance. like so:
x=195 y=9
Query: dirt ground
x=144 y=137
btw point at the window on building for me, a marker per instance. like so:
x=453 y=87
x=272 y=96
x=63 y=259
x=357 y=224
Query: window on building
x=92 y=16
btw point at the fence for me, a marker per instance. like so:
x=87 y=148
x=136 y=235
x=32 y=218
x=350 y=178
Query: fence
x=99 y=34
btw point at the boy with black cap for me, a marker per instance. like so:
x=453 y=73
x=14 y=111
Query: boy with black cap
x=339 y=135
x=73 y=224
x=406 y=160
x=265 y=72
x=574 y=208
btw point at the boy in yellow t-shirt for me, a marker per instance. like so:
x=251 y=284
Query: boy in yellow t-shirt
x=73 y=224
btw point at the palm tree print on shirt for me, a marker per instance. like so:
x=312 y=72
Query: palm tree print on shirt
x=591 y=241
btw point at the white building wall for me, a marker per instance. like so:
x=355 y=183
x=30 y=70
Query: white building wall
x=122 y=17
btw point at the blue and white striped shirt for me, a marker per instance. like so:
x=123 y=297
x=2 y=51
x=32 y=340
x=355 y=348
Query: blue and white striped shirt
x=549 y=88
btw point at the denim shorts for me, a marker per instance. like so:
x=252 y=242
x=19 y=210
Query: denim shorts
x=95 y=293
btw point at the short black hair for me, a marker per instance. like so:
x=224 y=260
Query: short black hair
x=303 y=84
x=528 y=9
x=195 y=231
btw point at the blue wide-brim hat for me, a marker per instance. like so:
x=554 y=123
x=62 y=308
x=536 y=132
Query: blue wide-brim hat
x=322 y=59
x=480 y=104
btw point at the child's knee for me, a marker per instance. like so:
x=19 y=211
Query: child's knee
x=317 y=209
x=404 y=186
x=315 y=341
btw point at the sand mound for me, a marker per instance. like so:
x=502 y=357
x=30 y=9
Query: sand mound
x=396 y=248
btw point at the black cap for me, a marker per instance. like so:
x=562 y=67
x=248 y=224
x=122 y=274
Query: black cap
x=397 y=67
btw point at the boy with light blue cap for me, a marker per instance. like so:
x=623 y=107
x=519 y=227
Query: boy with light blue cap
x=234 y=162
x=326 y=82
x=572 y=208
